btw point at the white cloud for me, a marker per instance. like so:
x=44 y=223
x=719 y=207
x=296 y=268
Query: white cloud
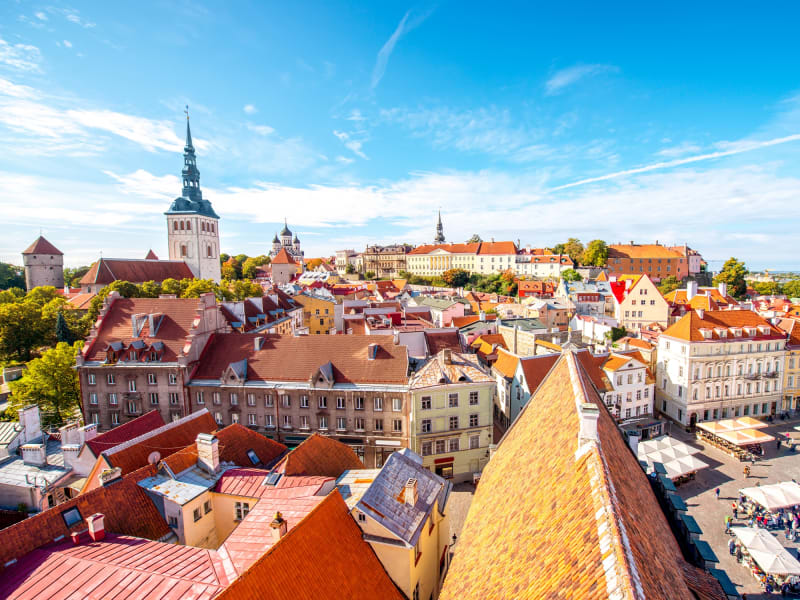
x=41 y=16
x=250 y=109
x=407 y=23
x=68 y=44
x=565 y=77
x=74 y=17
x=22 y=57
x=260 y=129
x=680 y=150
x=351 y=144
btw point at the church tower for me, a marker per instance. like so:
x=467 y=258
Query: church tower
x=439 y=239
x=192 y=224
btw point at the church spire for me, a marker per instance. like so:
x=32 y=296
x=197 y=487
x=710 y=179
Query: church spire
x=189 y=147
x=439 y=239
x=191 y=175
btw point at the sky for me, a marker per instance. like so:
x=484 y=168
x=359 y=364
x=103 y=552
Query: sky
x=358 y=121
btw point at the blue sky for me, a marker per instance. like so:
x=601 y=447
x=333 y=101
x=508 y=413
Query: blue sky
x=357 y=121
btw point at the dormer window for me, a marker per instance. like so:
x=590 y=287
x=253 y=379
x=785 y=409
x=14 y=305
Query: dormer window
x=706 y=333
x=153 y=355
x=132 y=355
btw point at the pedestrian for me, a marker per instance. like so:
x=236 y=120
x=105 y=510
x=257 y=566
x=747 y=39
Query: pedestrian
x=717 y=493
x=778 y=445
x=728 y=524
x=735 y=511
x=784 y=589
x=732 y=546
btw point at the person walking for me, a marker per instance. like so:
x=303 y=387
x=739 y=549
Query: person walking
x=728 y=520
x=732 y=546
x=717 y=493
x=735 y=511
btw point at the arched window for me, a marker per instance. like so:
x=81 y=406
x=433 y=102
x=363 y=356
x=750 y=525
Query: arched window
x=183 y=250
x=181 y=225
x=209 y=252
x=175 y=225
x=188 y=225
x=212 y=228
x=202 y=225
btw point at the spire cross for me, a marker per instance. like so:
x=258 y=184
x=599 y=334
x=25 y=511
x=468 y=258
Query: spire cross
x=186 y=112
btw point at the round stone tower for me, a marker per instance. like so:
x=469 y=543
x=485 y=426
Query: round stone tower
x=44 y=264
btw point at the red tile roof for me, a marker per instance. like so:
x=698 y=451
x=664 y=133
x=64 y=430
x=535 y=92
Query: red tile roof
x=506 y=363
x=588 y=520
x=151 y=255
x=451 y=248
x=173 y=330
x=642 y=251
x=470 y=319
x=536 y=368
x=135 y=453
x=81 y=301
x=791 y=327
x=282 y=258
x=42 y=246
x=498 y=248
x=320 y=455
x=287 y=358
x=323 y=556
x=689 y=326
x=126 y=506
x=108 y=270
x=127 y=431
x=117 y=567
x=439 y=340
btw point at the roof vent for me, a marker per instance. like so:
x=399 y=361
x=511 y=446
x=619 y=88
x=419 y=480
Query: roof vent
x=589 y=413
x=410 y=495
x=372 y=351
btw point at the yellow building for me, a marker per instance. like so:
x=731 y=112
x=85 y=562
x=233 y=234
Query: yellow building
x=638 y=303
x=451 y=415
x=317 y=313
x=401 y=510
x=791 y=366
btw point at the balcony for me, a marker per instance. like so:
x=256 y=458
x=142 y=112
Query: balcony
x=771 y=374
x=752 y=376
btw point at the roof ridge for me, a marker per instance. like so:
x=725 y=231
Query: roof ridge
x=155 y=432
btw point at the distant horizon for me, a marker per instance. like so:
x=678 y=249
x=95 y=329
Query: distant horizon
x=358 y=124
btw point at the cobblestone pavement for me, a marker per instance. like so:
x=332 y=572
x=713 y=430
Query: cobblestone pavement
x=458 y=507
x=726 y=473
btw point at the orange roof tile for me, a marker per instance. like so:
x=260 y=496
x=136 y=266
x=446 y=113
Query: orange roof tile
x=588 y=519
x=42 y=246
x=641 y=251
x=497 y=248
x=108 y=270
x=319 y=455
x=323 y=555
x=451 y=248
x=127 y=431
x=689 y=326
x=506 y=363
x=282 y=258
x=536 y=368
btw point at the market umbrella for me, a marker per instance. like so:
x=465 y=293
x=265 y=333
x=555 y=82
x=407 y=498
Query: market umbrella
x=750 y=423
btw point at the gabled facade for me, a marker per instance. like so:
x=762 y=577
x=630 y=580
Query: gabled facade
x=791 y=368
x=638 y=303
x=631 y=386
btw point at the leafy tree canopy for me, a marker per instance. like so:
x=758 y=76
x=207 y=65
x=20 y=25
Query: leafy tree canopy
x=571 y=275
x=733 y=274
x=11 y=276
x=595 y=254
x=669 y=284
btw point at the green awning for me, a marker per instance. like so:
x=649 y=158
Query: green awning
x=666 y=482
x=677 y=502
x=691 y=524
x=705 y=551
x=725 y=582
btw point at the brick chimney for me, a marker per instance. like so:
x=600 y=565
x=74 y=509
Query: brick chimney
x=97 y=528
x=447 y=356
x=588 y=413
x=278 y=526
x=208 y=452
x=31 y=424
x=34 y=454
x=410 y=489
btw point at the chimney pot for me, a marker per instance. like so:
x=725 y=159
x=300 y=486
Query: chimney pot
x=97 y=529
x=410 y=489
x=278 y=526
x=34 y=454
x=208 y=452
x=447 y=357
x=589 y=413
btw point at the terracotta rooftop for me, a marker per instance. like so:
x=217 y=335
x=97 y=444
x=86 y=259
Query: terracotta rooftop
x=42 y=246
x=641 y=251
x=470 y=319
x=690 y=326
x=708 y=298
x=536 y=368
x=287 y=358
x=497 y=248
x=324 y=553
x=439 y=340
x=791 y=327
x=448 y=248
x=108 y=270
x=151 y=255
x=319 y=455
x=282 y=258
x=506 y=363
x=638 y=343
x=587 y=520
x=127 y=431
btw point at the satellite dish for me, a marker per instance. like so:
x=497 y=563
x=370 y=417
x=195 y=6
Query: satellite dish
x=154 y=458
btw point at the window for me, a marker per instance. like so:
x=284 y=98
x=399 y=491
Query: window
x=286 y=402
x=218 y=418
x=440 y=447
x=133 y=408
x=425 y=425
x=426 y=403
x=303 y=401
x=234 y=417
x=110 y=379
x=473 y=398
x=92 y=398
x=452 y=400
x=454 y=422
x=95 y=418
x=452 y=445
x=115 y=418
x=378 y=424
x=174 y=398
x=252 y=419
x=173 y=521
x=207 y=506
x=131 y=385
x=474 y=442
x=397 y=404
x=341 y=423
x=153 y=397
x=269 y=421
x=378 y=403
x=197 y=515
x=323 y=422
x=362 y=518
x=427 y=448
x=216 y=398
x=473 y=420
x=269 y=401
x=360 y=424
x=241 y=508
x=234 y=398
x=199 y=398
x=359 y=403
x=91 y=379
x=151 y=378
x=340 y=402
x=322 y=402
x=303 y=421
x=71 y=516
x=287 y=421
x=251 y=399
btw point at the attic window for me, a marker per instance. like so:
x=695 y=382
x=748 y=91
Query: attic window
x=272 y=479
x=253 y=457
x=72 y=516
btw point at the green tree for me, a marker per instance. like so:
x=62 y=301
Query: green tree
x=669 y=284
x=72 y=276
x=245 y=288
x=370 y=274
x=571 y=275
x=11 y=276
x=21 y=329
x=733 y=274
x=349 y=269
x=232 y=269
x=51 y=383
x=618 y=333
x=42 y=295
x=766 y=288
x=250 y=266
x=792 y=288
x=150 y=289
x=7 y=296
x=197 y=287
x=455 y=277
x=574 y=249
x=595 y=254
x=223 y=258
x=474 y=239
x=172 y=286
x=63 y=332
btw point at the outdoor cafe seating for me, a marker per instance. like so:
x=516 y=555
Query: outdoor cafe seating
x=739 y=438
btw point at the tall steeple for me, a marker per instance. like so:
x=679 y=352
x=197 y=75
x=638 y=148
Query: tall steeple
x=439 y=239
x=191 y=175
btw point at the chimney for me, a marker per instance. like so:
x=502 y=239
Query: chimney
x=89 y=432
x=109 y=476
x=70 y=454
x=700 y=312
x=372 y=351
x=279 y=527
x=447 y=357
x=633 y=442
x=208 y=452
x=258 y=342
x=482 y=315
x=723 y=288
x=34 y=454
x=97 y=528
x=31 y=425
x=410 y=492
x=396 y=339
x=588 y=413
x=691 y=290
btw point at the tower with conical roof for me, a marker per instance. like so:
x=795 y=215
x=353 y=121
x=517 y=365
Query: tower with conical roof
x=192 y=224
x=439 y=239
x=44 y=264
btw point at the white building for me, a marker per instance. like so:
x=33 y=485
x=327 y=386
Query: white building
x=631 y=390
x=542 y=266
x=719 y=364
